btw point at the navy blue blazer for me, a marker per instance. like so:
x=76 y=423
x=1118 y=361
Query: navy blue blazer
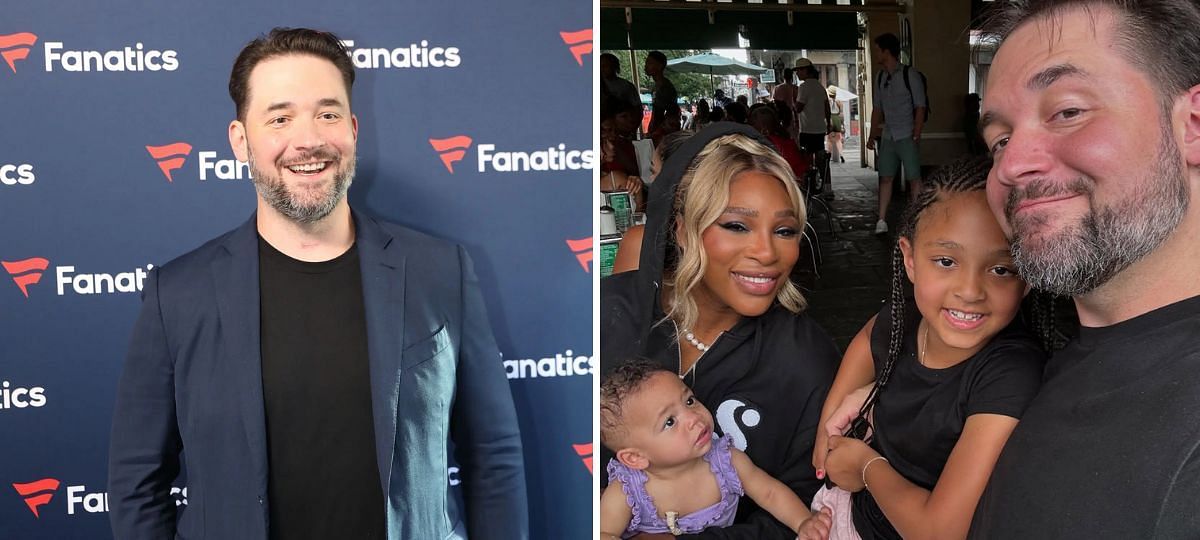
x=192 y=385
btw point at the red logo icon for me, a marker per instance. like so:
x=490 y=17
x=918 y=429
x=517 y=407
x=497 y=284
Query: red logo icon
x=585 y=453
x=37 y=493
x=451 y=149
x=582 y=249
x=580 y=43
x=170 y=156
x=15 y=47
x=26 y=272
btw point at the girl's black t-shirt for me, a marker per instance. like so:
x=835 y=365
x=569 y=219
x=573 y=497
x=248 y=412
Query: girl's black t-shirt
x=920 y=415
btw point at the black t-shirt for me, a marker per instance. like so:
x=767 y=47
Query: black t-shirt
x=323 y=477
x=921 y=413
x=665 y=97
x=1108 y=449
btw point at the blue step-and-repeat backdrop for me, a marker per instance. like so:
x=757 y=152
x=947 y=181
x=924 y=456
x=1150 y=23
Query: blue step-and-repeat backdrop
x=475 y=123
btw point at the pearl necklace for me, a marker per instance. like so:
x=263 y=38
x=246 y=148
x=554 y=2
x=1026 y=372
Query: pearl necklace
x=691 y=338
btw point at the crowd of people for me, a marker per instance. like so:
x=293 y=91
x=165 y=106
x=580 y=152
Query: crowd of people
x=968 y=405
x=804 y=122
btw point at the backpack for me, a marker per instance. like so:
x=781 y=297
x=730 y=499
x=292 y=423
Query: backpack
x=908 y=85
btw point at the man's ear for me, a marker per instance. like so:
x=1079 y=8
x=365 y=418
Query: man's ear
x=1189 y=108
x=354 y=126
x=906 y=249
x=633 y=458
x=237 y=140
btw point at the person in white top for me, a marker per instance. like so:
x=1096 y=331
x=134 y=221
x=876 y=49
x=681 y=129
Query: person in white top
x=812 y=106
x=785 y=94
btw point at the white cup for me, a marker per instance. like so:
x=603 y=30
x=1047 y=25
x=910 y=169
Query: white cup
x=608 y=221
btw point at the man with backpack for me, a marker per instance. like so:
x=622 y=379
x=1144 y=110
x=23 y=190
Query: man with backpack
x=900 y=103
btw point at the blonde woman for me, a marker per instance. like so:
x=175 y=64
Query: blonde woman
x=712 y=302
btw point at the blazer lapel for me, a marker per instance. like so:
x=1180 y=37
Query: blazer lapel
x=382 y=265
x=235 y=274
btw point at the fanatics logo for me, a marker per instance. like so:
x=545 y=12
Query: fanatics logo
x=585 y=453
x=582 y=249
x=26 y=272
x=580 y=43
x=170 y=156
x=15 y=47
x=451 y=150
x=37 y=493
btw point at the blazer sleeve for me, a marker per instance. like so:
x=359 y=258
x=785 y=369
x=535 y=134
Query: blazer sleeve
x=483 y=424
x=144 y=447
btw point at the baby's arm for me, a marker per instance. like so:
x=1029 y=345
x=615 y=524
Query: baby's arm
x=614 y=512
x=774 y=497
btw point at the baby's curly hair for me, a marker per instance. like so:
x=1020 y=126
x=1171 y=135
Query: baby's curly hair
x=623 y=381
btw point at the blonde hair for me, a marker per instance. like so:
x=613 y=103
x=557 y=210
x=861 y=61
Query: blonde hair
x=702 y=196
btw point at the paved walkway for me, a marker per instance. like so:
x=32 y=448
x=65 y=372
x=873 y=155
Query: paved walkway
x=855 y=274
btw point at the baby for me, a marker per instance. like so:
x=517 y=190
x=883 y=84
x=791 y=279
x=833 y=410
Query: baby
x=669 y=474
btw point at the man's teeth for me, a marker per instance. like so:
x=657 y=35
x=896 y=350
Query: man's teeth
x=965 y=316
x=753 y=279
x=308 y=167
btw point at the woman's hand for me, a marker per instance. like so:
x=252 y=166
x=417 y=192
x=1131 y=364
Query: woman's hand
x=845 y=461
x=633 y=185
x=836 y=424
x=844 y=414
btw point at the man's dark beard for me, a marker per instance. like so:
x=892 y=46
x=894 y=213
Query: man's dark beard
x=1085 y=256
x=276 y=193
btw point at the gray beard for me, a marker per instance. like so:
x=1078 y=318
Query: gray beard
x=275 y=192
x=1109 y=239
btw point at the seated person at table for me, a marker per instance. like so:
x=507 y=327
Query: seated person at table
x=630 y=247
x=765 y=119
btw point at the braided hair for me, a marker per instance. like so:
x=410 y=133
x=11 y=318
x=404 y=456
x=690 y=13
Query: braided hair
x=961 y=176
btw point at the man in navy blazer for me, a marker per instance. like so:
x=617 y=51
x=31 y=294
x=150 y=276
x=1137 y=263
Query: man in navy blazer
x=310 y=368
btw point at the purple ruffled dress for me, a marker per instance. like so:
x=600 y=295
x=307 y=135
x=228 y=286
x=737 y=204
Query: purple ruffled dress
x=646 y=518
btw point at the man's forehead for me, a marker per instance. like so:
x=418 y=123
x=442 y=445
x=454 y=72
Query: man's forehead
x=1075 y=42
x=1078 y=29
x=297 y=79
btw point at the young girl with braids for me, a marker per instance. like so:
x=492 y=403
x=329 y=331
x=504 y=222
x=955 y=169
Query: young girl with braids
x=944 y=378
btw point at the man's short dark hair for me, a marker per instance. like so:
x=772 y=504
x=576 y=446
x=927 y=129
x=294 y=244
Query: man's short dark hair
x=658 y=56
x=282 y=42
x=736 y=112
x=1159 y=37
x=889 y=42
x=610 y=57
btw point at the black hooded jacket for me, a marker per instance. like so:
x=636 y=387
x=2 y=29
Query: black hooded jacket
x=764 y=380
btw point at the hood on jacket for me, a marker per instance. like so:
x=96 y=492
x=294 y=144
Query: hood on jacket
x=660 y=214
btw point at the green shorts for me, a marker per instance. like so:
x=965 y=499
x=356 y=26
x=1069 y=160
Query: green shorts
x=894 y=152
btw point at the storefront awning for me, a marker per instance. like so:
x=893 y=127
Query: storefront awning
x=696 y=29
